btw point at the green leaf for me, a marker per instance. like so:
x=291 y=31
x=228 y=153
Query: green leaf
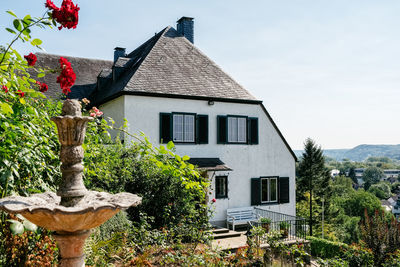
x=36 y=42
x=17 y=25
x=6 y=108
x=170 y=145
x=29 y=226
x=11 y=30
x=11 y=13
x=16 y=227
x=186 y=157
x=178 y=158
x=22 y=101
x=4 y=176
x=41 y=74
x=26 y=32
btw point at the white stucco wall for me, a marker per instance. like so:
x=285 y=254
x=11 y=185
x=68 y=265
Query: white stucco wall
x=115 y=109
x=269 y=158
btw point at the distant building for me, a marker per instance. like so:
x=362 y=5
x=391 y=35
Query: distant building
x=391 y=175
x=334 y=173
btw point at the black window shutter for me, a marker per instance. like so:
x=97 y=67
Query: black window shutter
x=222 y=132
x=202 y=129
x=283 y=189
x=255 y=191
x=252 y=131
x=165 y=127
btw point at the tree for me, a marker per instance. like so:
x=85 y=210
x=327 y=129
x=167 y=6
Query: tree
x=372 y=175
x=382 y=190
x=352 y=175
x=312 y=176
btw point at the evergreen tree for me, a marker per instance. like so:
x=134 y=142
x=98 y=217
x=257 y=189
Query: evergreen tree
x=312 y=176
x=352 y=175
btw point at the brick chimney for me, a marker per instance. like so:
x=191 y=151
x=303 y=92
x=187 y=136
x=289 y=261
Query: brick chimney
x=185 y=27
x=119 y=52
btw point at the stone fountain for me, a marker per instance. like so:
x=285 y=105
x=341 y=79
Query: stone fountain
x=74 y=210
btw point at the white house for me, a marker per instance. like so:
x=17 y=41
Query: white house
x=168 y=89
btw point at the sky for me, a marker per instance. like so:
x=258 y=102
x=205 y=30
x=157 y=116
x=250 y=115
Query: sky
x=328 y=70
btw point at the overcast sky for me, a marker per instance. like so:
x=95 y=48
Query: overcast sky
x=328 y=70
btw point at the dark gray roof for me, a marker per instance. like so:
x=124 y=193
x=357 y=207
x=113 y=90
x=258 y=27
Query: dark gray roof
x=168 y=64
x=86 y=70
x=209 y=164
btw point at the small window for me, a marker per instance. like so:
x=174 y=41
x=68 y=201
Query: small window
x=237 y=130
x=221 y=187
x=269 y=190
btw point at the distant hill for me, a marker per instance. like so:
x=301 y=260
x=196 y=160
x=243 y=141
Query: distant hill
x=361 y=152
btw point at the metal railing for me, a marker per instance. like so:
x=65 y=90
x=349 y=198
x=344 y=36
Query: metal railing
x=290 y=227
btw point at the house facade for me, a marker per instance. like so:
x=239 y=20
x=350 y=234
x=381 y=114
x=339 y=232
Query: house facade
x=169 y=90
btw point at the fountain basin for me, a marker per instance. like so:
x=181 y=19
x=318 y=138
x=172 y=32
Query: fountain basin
x=91 y=211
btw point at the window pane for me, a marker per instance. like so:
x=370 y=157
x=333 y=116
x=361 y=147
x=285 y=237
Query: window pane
x=189 y=128
x=264 y=190
x=178 y=127
x=241 y=129
x=273 y=185
x=232 y=129
x=220 y=186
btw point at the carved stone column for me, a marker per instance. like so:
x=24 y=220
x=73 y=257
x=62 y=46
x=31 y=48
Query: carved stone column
x=71 y=133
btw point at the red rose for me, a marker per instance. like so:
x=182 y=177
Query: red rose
x=66 y=15
x=42 y=86
x=5 y=89
x=20 y=93
x=214 y=200
x=31 y=58
x=67 y=76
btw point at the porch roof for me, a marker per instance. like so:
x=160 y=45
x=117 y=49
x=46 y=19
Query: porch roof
x=209 y=164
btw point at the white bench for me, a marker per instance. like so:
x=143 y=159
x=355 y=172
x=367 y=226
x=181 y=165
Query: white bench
x=240 y=216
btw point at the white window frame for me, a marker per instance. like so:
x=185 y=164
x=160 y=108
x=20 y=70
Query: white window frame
x=187 y=131
x=237 y=131
x=269 y=179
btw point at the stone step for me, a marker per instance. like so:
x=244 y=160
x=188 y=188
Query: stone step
x=220 y=230
x=227 y=235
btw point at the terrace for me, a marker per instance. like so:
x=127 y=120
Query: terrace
x=293 y=229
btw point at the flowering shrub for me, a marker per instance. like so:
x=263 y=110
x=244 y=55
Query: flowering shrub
x=31 y=58
x=67 y=76
x=66 y=15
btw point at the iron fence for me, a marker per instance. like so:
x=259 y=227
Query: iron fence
x=290 y=227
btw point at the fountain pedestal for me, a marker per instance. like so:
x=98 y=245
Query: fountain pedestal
x=71 y=247
x=74 y=210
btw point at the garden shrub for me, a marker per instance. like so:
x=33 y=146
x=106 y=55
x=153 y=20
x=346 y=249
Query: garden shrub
x=325 y=248
x=173 y=191
x=354 y=255
x=31 y=248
